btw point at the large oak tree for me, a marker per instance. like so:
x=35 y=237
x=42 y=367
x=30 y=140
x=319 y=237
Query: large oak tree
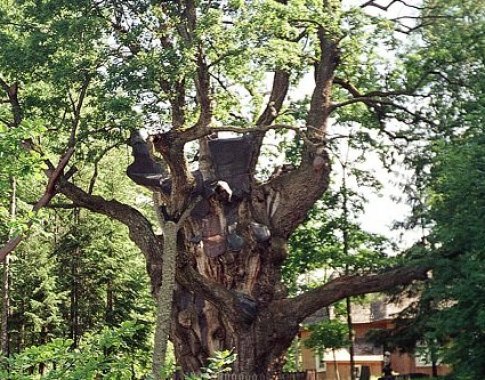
x=84 y=76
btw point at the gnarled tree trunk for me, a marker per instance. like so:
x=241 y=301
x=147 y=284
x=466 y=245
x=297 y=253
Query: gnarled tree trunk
x=228 y=291
x=230 y=248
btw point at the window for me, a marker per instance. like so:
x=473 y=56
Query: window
x=358 y=370
x=320 y=364
x=424 y=354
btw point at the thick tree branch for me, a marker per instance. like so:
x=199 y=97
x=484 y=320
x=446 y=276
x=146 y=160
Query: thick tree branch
x=140 y=229
x=176 y=94
x=171 y=146
x=297 y=190
x=211 y=291
x=279 y=91
x=293 y=193
x=54 y=174
x=311 y=301
x=320 y=105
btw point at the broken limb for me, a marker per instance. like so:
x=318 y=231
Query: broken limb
x=144 y=171
x=54 y=173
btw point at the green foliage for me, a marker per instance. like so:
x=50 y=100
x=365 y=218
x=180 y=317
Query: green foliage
x=448 y=318
x=75 y=276
x=448 y=194
x=118 y=52
x=329 y=334
x=319 y=243
x=107 y=355
x=219 y=363
x=458 y=209
x=292 y=357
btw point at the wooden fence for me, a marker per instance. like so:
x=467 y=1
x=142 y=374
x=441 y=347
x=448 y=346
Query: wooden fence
x=308 y=375
x=269 y=376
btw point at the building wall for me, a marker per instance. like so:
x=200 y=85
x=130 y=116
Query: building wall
x=400 y=363
x=405 y=363
x=306 y=354
x=308 y=363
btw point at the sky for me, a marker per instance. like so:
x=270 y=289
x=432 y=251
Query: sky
x=382 y=209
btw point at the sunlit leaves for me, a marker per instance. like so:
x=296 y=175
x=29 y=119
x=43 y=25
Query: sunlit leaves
x=320 y=243
x=107 y=355
x=328 y=334
x=458 y=211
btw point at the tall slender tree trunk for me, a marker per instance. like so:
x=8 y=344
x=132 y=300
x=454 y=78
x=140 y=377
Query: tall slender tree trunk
x=164 y=298
x=43 y=340
x=434 y=358
x=434 y=367
x=351 y=337
x=75 y=284
x=22 y=333
x=348 y=303
x=4 y=338
x=109 y=317
x=335 y=364
x=74 y=312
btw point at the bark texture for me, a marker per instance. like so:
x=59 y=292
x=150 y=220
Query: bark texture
x=164 y=299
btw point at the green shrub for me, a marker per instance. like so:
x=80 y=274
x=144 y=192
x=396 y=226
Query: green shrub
x=106 y=355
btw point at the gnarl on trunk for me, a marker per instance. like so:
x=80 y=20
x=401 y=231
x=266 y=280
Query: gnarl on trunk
x=231 y=241
x=230 y=250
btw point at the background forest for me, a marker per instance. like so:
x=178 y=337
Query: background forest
x=78 y=78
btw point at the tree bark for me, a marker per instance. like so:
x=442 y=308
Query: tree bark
x=434 y=367
x=335 y=364
x=164 y=298
x=74 y=298
x=109 y=311
x=4 y=339
x=262 y=321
